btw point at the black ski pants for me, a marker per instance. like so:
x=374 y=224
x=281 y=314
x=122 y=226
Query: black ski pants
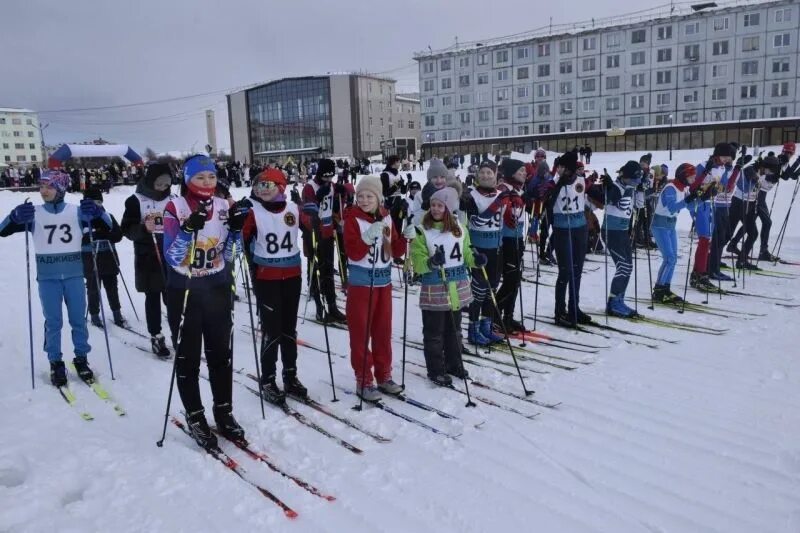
x=746 y=213
x=441 y=336
x=278 y=301
x=511 y=258
x=570 y=247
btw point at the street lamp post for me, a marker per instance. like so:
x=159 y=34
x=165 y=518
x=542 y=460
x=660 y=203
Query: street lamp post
x=669 y=139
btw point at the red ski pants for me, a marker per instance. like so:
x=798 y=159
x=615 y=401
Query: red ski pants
x=379 y=349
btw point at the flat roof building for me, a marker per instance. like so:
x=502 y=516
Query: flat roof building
x=20 y=138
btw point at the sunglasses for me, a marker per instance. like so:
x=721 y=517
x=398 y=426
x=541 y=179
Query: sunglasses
x=265 y=186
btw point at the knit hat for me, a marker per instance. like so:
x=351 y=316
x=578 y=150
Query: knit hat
x=93 y=193
x=326 y=168
x=196 y=164
x=491 y=165
x=540 y=153
x=275 y=176
x=414 y=186
x=646 y=158
x=631 y=170
x=372 y=184
x=750 y=173
x=56 y=179
x=569 y=161
x=724 y=150
x=684 y=171
x=154 y=170
x=771 y=163
x=448 y=196
x=789 y=147
x=436 y=168
x=508 y=167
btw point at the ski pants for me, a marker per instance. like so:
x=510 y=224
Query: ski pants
x=377 y=361
x=762 y=212
x=152 y=311
x=206 y=325
x=619 y=246
x=721 y=236
x=321 y=279
x=511 y=257
x=667 y=241
x=746 y=213
x=544 y=230
x=52 y=293
x=570 y=247
x=701 y=213
x=278 y=302
x=643 y=219
x=441 y=337
x=481 y=299
x=109 y=282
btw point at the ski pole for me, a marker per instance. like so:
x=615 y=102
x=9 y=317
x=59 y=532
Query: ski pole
x=605 y=241
x=325 y=309
x=456 y=332
x=28 y=228
x=406 y=270
x=649 y=266
x=521 y=268
x=245 y=277
x=688 y=264
x=536 y=291
x=782 y=233
x=505 y=332
x=122 y=277
x=360 y=405
x=636 y=270
x=160 y=443
x=100 y=297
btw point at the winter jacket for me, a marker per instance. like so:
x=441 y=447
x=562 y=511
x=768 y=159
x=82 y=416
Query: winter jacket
x=357 y=249
x=433 y=296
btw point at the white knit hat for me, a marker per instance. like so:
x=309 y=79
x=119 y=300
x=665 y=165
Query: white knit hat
x=372 y=184
x=448 y=196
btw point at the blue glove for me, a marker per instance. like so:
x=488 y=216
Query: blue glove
x=480 y=259
x=90 y=210
x=23 y=213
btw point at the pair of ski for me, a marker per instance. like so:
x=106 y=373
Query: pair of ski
x=703 y=309
x=682 y=326
x=66 y=393
x=592 y=327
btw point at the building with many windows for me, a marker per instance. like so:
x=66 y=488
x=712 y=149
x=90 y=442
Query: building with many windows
x=713 y=62
x=334 y=115
x=406 y=130
x=20 y=138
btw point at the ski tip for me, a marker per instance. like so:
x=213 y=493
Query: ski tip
x=290 y=513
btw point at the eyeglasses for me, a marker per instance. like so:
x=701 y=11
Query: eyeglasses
x=265 y=186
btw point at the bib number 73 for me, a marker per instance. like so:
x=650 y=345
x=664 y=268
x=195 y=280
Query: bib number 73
x=66 y=232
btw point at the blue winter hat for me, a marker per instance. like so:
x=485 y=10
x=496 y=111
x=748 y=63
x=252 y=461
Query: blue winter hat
x=195 y=164
x=56 y=179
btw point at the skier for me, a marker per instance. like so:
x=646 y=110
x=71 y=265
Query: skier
x=484 y=206
x=371 y=241
x=512 y=245
x=318 y=239
x=105 y=234
x=56 y=227
x=676 y=195
x=270 y=235
x=744 y=207
x=442 y=248
x=542 y=212
x=437 y=179
x=201 y=235
x=143 y=223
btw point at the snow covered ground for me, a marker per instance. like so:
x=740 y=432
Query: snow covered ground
x=698 y=433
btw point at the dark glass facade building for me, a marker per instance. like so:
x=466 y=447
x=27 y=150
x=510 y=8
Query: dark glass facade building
x=291 y=115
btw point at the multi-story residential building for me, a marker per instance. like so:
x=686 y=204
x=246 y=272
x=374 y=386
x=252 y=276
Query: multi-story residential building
x=714 y=62
x=309 y=117
x=20 y=138
x=405 y=128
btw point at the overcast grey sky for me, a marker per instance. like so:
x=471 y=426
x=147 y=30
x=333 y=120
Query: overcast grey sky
x=87 y=53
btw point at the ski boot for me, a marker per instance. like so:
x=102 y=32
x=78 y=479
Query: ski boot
x=226 y=424
x=459 y=372
x=513 y=326
x=119 y=320
x=201 y=433
x=562 y=319
x=443 y=380
x=475 y=335
x=270 y=390
x=96 y=320
x=703 y=284
x=159 y=345
x=334 y=315
x=580 y=317
x=766 y=256
x=369 y=393
x=58 y=373
x=616 y=307
x=390 y=387
x=746 y=265
x=82 y=368
x=487 y=331
x=292 y=385
x=719 y=276
x=733 y=249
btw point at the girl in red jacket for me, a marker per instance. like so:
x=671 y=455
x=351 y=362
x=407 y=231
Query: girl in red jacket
x=371 y=241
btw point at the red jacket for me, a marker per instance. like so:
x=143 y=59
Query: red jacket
x=355 y=247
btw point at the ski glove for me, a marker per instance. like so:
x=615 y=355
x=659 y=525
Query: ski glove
x=410 y=231
x=374 y=232
x=90 y=210
x=437 y=259
x=196 y=221
x=480 y=259
x=399 y=206
x=744 y=160
x=23 y=213
x=295 y=196
x=236 y=216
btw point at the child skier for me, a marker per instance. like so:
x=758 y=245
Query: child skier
x=271 y=243
x=371 y=241
x=105 y=234
x=143 y=223
x=201 y=235
x=442 y=248
x=674 y=196
x=56 y=227
x=743 y=204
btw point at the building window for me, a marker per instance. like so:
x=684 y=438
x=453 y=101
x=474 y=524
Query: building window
x=16 y=121
x=31 y=146
x=719 y=71
x=750 y=44
x=483 y=97
x=463 y=81
x=544 y=128
x=637 y=101
x=565 y=47
x=720 y=23
x=565 y=108
x=503 y=132
x=431 y=136
x=20 y=159
x=523 y=91
x=483 y=79
x=781 y=40
x=664 y=33
x=427 y=85
x=690 y=97
x=565 y=87
x=2 y=121
x=502 y=75
x=564 y=126
x=447 y=101
x=613 y=40
x=444 y=65
x=543 y=90
x=543 y=49
x=589 y=85
x=429 y=102
x=502 y=113
x=465 y=117
x=33 y=158
x=637 y=58
x=612 y=104
x=502 y=95
x=17 y=134
x=483 y=58
x=718 y=94
x=523 y=112
x=522 y=73
x=589 y=64
x=523 y=130
x=780 y=65
x=544 y=110
x=752 y=19
x=587 y=125
x=638 y=36
x=777 y=112
x=749 y=91
x=691 y=52
x=589 y=43
x=483 y=132
x=565 y=67
x=544 y=71
x=445 y=136
x=588 y=105
x=719 y=48
x=748 y=113
x=463 y=98
x=663 y=99
x=400 y=124
x=637 y=80
x=523 y=53
x=662 y=119
x=5 y=146
x=612 y=82
x=692 y=28
x=463 y=62
x=637 y=122
x=447 y=119
x=8 y=157
x=30 y=134
x=749 y=68
x=691 y=74
x=483 y=115
x=612 y=123
x=501 y=56
x=780 y=89
x=19 y=146
x=719 y=115
x=612 y=61
x=665 y=54
x=663 y=76
x=783 y=15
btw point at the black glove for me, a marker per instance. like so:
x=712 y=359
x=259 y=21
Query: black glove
x=236 y=216
x=783 y=159
x=709 y=164
x=480 y=259
x=743 y=160
x=196 y=221
x=399 y=261
x=323 y=191
x=295 y=196
x=399 y=206
x=437 y=259
x=605 y=179
x=409 y=180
